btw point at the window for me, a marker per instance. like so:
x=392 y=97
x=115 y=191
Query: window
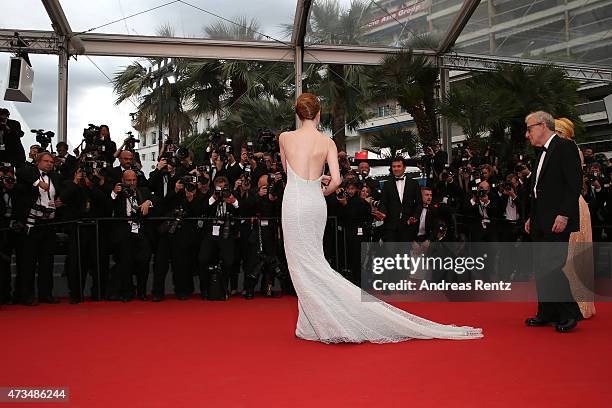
x=143 y=140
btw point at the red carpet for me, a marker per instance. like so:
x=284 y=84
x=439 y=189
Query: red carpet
x=244 y=354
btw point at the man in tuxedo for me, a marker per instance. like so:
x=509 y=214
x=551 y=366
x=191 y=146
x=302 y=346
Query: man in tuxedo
x=131 y=238
x=554 y=215
x=401 y=197
x=11 y=149
x=364 y=177
x=126 y=162
x=37 y=196
x=427 y=215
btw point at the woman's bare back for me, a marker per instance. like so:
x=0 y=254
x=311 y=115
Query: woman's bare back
x=306 y=150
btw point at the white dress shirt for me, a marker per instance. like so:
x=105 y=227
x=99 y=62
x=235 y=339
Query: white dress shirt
x=400 y=188
x=422 y=221
x=46 y=198
x=540 y=163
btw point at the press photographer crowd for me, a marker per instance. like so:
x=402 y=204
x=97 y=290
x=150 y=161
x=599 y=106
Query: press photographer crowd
x=215 y=223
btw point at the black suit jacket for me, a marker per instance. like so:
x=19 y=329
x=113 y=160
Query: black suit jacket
x=13 y=149
x=27 y=194
x=558 y=187
x=122 y=229
x=397 y=211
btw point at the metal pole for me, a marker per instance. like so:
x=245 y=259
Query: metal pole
x=160 y=120
x=445 y=125
x=299 y=66
x=62 y=93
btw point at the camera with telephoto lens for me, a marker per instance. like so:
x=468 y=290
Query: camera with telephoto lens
x=223 y=192
x=593 y=177
x=43 y=137
x=8 y=179
x=89 y=170
x=130 y=141
x=342 y=193
x=265 y=140
x=482 y=192
x=189 y=182
x=126 y=191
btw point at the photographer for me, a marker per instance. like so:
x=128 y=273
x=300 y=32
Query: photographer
x=447 y=190
x=11 y=149
x=37 y=192
x=218 y=237
x=129 y=143
x=126 y=162
x=511 y=205
x=178 y=239
x=131 y=238
x=84 y=199
x=356 y=218
x=9 y=238
x=66 y=163
x=108 y=147
x=364 y=178
x=596 y=196
x=233 y=170
x=265 y=235
x=245 y=250
x=482 y=212
x=33 y=153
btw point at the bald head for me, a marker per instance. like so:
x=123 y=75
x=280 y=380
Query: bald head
x=126 y=158
x=129 y=178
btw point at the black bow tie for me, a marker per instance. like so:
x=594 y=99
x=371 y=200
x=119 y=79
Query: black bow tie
x=43 y=174
x=543 y=148
x=399 y=178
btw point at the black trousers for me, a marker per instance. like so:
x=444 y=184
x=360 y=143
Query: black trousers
x=185 y=245
x=161 y=264
x=269 y=250
x=37 y=258
x=555 y=300
x=212 y=250
x=132 y=254
x=353 y=247
x=93 y=259
x=9 y=242
x=398 y=234
x=244 y=255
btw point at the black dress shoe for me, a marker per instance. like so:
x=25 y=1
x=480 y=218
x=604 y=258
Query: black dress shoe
x=158 y=298
x=249 y=295
x=142 y=297
x=74 y=300
x=49 y=299
x=29 y=302
x=536 y=322
x=564 y=327
x=182 y=297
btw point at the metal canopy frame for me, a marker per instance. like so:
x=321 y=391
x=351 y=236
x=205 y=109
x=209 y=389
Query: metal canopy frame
x=64 y=43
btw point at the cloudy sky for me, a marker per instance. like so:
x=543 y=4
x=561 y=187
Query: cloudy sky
x=90 y=94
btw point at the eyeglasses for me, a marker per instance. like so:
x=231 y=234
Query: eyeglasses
x=535 y=124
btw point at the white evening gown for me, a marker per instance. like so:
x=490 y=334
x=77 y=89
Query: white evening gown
x=330 y=307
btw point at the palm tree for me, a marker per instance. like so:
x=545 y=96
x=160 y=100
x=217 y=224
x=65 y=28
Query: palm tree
x=410 y=80
x=340 y=86
x=470 y=105
x=136 y=82
x=393 y=142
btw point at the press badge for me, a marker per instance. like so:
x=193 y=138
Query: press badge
x=135 y=227
x=445 y=200
x=215 y=230
x=264 y=223
x=359 y=231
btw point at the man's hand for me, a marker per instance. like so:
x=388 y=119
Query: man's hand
x=117 y=188
x=58 y=203
x=189 y=195
x=560 y=224
x=263 y=191
x=412 y=221
x=231 y=199
x=161 y=164
x=325 y=180
x=378 y=215
x=43 y=185
x=144 y=207
x=528 y=226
